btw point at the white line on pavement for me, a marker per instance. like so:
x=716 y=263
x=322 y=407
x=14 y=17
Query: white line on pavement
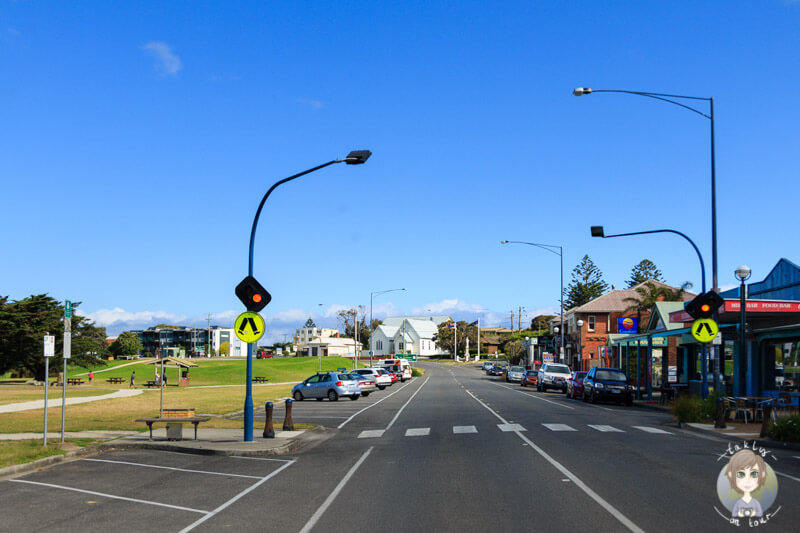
x=537 y=397
x=340 y=426
x=787 y=475
x=559 y=427
x=561 y=468
x=111 y=496
x=510 y=427
x=648 y=429
x=605 y=428
x=418 y=432
x=464 y=429
x=329 y=500
x=371 y=433
x=171 y=468
x=261 y=458
x=405 y=404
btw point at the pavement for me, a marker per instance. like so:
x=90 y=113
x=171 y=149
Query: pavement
x=55 y=401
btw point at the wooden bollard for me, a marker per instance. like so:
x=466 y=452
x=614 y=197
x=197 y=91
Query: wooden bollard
x=765 y=421
x=269 y=431
x=288 y=425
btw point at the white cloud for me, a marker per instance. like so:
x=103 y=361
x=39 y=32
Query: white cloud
x=167 y=64
x=315 y=104
x=110 y=317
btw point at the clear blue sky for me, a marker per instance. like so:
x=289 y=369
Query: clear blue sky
x=136 y=140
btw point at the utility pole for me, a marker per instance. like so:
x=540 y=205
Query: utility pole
x=208 y=348
x=511 y=313
x=519 y=319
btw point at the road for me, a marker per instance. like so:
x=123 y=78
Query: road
x=453 y=450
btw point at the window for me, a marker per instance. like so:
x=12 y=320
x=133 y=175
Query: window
x=591 y=323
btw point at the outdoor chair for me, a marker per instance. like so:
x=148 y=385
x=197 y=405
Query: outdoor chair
x=783 y=405
x=741 y=407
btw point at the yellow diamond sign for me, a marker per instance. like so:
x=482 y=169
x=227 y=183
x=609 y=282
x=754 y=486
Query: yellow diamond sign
x=249 y=326
x=704 y=329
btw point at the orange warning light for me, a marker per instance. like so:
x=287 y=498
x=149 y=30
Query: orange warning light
x=256 y=297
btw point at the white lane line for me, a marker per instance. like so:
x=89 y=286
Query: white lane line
x=329 y=500
x=510 y=427
x=406 y=404
x=260 y=458
x=559 y=427
x=171 y=468
x=111 y=496
x=787 y=475
x=605 y=429
x=371 y=433
x=464 y=429
x=236 y=498
x=648 y=429
x=561 y=468
x=340 y=426
x=560 y=404
x=418 y=432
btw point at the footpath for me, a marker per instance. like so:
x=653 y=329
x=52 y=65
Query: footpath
x=56 y=401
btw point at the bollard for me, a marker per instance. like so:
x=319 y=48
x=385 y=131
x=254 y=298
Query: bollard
x=719 y=421
x=269 y=431
x=288 y=425
x=765 y=421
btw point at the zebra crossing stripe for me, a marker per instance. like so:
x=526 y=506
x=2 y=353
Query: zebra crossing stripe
x=418 y=432
x=510 y=427
x=605 y=429
x=559 y=427
x=648 y=429
x=464 y=429
x=371 y=433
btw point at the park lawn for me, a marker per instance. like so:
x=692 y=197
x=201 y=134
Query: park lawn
x=14 y=452
x=27 y=393
x=121 y=413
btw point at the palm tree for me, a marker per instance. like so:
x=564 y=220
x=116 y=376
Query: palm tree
x=648 y=293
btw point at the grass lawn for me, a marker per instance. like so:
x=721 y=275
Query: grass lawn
x=14 y=452
x=27 y=393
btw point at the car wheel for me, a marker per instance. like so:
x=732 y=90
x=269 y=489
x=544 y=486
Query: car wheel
x=298 y=396
x=333 y=395
x=365 y=394
x=381 y=387
x=594 y=397
x=522 y=383
x=354 y=397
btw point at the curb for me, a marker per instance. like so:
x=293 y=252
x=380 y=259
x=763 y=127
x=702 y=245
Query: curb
x=758 y=441
x=17 y=470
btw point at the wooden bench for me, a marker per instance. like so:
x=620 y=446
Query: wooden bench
x=74 y=381
x=175 y=416
x=116 y=380
x=150 y=383
x=260 y=379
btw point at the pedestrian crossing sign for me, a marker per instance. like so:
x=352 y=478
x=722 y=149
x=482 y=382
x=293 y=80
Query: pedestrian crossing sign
x=704 y=329
x=249 y=326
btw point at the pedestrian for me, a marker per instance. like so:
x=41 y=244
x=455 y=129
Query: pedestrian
x=164 y=379
x=133 y=380
x=90 y=376
x=158 y=378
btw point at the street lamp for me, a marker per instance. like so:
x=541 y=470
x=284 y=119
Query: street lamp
x=355 y=157
x=742 y=274
x=579 y=323
x=552 y=249
x=370 y=318
x=580 y=91
x=555 y=330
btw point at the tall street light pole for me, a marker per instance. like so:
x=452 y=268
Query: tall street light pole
x=580 y=91
x=552 y=249
x=742 y=274
x=355 y=157
x=371 y=329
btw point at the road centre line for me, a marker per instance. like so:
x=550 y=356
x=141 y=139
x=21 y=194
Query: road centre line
x=405 y=404
x=561 y=468
x=332 y=496
x=235 y=498
x=172 y=468
x=537 y=397
x=110 y=496
x=340 y=426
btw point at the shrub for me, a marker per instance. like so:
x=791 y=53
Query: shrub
x=416 y=371
x=785 y=429
x=688 y=409
x=709 y=407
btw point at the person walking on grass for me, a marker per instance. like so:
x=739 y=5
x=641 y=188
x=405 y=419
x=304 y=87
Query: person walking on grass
x=133 y=380
x=90 y=376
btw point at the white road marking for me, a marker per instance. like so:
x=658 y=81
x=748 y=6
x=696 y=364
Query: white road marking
x=787 y=475
x=329 y=500
x=560 y=404
x=340 y=426
x=506 y=427
x=559 y=427
x=648 y=429
x=260 y=458
x=406 y=404
x=580 y=484
x=605 y=429
x=371 y=433
x=171 y=468
x=464 y=429
x=235 y=498
x=418 y=432
x=111 y=496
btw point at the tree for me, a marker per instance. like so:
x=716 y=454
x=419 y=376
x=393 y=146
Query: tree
x=347 y=318
x=127 y=343
x=644 y=271
x=648 y=293
x=444 y=337
x=23 y=324
x=587 y=284
x=225 y=348
x=513 y=351
x=310 y=323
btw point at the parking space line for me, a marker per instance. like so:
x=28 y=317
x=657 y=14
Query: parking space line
x=172 y=468
x=235 y=498
x=340 y=426
x=111 y=496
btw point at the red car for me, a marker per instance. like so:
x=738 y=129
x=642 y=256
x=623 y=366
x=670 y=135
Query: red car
x=394 y=377
x=575 y=385
x=531 y=377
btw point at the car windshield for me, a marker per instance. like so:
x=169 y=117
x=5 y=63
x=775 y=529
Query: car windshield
x=558 y=369
x=516 y=369
x=611 y=375
x=580 y=375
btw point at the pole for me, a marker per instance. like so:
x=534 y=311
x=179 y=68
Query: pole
x=742 y=366
x=561 y=300
x=371 y=332
x=46 y=387
x=479 y=338
x=455 y=338
x=714 y=285
x=161 y=379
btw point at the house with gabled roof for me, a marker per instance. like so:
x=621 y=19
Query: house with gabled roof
x=412 y=335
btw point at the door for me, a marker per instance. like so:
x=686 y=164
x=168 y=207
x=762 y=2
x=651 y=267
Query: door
x=311 y=390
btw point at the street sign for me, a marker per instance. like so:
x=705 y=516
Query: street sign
x=67 y=345
x=49 y=345
x=407 y=356
x=534 y=341
x=249 y=326
x=704 y=329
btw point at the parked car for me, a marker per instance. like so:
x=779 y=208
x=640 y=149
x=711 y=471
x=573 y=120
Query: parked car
x=329 y=385
x=367 y=383
x=553 y=376
x=379 y=375
x=575 y=385
x=487 y=365
x=515 y=373
x=607 y=384
x=401 y=367
x=495 y=371
x=531 y=377
x=393 y=375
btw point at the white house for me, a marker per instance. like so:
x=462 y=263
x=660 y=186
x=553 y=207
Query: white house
x=413 y=335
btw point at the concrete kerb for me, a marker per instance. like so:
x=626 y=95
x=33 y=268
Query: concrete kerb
x=726 y=437
x=17 y=470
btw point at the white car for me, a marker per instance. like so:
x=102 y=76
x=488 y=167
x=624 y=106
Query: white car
x=553 y=376
x=382 y=380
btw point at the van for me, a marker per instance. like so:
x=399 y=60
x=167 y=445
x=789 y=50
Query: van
x=400 y=366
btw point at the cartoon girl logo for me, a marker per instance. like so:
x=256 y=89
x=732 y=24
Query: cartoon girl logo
x=747 y=487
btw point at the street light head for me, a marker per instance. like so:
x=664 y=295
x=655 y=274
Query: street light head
x=597 y=231
x=555 y=329
x=503 y=242
x=357 y=157
x=580 y=91
x=743 y=273
x=580 y=323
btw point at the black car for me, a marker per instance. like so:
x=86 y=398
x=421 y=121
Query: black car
x=607 y=384
x=495 y=371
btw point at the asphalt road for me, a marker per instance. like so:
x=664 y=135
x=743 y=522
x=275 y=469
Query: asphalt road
x=453 y=450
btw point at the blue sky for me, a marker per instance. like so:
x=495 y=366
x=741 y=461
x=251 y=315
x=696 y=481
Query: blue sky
x=137 y=139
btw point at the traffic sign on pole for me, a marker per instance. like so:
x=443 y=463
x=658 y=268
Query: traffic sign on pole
x=249 y=326
x=49 y=345
x=704 y=329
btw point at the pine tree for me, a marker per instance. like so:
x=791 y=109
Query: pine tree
x=587 y=284
x=644 y=271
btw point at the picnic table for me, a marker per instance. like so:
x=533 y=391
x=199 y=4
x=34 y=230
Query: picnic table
x=174 y=419
x=260 y=379
x=74 y=381
x=151 y=383
x=116 y=380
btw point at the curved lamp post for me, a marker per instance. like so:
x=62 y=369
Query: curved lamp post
x=580 y=91
x=355 y=157
x=552 y=249
x=371 y=295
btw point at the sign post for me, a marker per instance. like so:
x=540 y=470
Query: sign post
x=67 y=353
x=49 y=351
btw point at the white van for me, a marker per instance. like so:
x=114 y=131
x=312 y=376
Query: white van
x=401 y=366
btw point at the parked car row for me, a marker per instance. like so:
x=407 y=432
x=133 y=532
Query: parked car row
x=351 y=384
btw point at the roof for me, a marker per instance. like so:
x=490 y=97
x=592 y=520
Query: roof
x=398 y=320
x=615 y=300
x=173 y=362
x=660 y=319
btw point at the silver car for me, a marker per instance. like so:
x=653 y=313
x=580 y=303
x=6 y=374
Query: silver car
x=515 y=373
x=367 y=383
x=329 y=385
